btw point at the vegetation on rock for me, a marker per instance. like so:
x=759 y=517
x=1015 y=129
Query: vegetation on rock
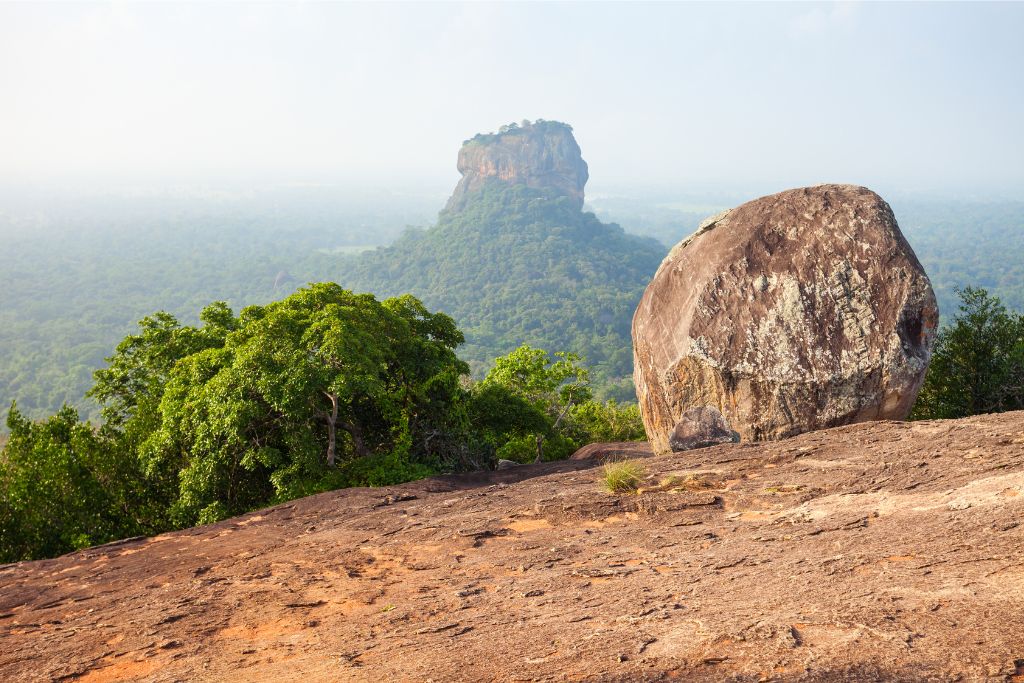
x=517 y=265
x=522 y=128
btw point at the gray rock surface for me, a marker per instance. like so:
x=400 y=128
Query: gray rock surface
x=699 y=428
x=614 y=451
x=794 y=312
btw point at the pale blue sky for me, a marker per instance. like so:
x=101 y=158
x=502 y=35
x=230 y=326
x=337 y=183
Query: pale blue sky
x=907 y=96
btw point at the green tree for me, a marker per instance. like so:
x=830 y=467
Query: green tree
x=131 y=387
x=302 y=388
x=610 y=421
x=978 y=362
x=61 y=488
x=499 y=416
x=551 y=387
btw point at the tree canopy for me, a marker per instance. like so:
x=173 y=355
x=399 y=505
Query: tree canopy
x=556 y=413
x=516 y=266
x=61 y=489
x=323 y=389
x=296 y=390
x=978 y=362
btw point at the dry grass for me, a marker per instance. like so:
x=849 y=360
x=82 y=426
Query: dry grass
x=623 y=477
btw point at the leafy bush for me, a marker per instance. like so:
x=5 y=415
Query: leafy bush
x=978 y=363
x=610 y=421
x=62 y=488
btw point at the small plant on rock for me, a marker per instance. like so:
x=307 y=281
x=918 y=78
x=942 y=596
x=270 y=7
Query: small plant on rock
x=623 y=477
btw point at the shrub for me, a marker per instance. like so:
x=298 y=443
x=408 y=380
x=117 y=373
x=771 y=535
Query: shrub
x=623 y=477
x=978 y=363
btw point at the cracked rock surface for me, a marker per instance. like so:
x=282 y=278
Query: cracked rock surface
x=876 y=551
x=794 y=312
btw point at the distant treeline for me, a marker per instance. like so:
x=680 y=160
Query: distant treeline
x=75 y=281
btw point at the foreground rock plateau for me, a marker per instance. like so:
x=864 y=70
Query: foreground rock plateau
x=794 y=312
x=877 y=551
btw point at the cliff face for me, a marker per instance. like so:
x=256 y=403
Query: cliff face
x=542 y=155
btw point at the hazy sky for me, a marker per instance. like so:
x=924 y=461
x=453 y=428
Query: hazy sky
x=911 y=96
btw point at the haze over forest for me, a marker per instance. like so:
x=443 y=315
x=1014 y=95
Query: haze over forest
x=159 y=157
x=511 y=341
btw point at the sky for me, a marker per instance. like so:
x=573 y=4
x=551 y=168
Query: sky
x=914 y=97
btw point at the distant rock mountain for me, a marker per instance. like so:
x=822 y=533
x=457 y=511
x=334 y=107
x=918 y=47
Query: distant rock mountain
x=542 y=155
x=514 y=258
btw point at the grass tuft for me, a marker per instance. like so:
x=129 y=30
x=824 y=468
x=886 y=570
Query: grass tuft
x=623 y=477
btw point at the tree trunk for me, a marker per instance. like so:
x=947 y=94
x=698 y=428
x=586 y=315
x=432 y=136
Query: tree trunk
x=332 y=419
x=540 y=438
x=357 y=438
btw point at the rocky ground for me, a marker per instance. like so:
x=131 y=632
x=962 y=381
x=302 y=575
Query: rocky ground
x=869 y=552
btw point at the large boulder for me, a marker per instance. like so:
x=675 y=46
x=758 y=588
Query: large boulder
x=794 y=312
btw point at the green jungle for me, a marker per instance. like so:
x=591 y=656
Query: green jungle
x=162 y=374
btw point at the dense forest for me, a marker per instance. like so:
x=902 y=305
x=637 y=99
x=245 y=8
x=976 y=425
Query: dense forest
x=517 y=266
x=441 y=368
x=77 y=275
x=320 y=390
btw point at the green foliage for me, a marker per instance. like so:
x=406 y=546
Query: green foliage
x=517 y=266
x=978 y=363
x=321 y=390
x=530 y=374
x=610 y=421
x=539 y=126
x=499 y=415
x=962 y=244
x=552 y=389
x=61 y=488
x=622 y=477
x=378 y=470
x=78 y=274
x=297 y=388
